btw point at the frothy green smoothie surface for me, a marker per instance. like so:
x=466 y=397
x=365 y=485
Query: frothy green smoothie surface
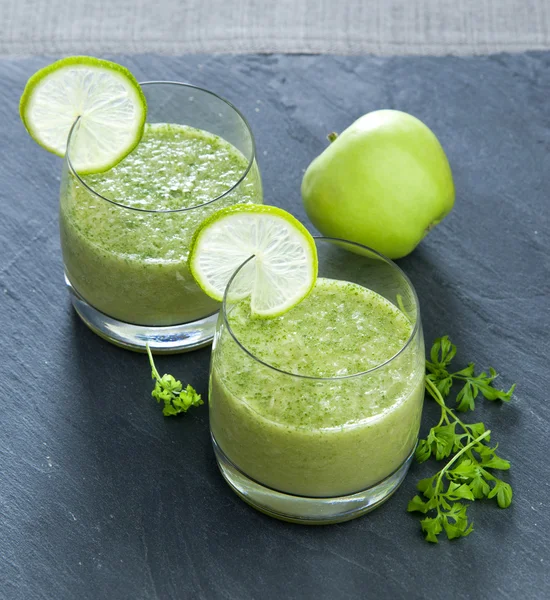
x=173 y=167
x=341 y=328
x=131 y=264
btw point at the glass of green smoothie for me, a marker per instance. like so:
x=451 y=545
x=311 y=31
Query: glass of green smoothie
x=315 y=414
x=125 y=233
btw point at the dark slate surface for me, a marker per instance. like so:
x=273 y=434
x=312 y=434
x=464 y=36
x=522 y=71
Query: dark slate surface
x=101 y=497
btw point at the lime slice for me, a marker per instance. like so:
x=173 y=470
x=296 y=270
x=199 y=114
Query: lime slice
x=283 y=270
x=104 y=96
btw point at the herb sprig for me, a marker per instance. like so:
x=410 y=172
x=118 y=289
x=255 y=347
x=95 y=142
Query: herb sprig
x=170 y=390
x=442 y=353
x=468 y=475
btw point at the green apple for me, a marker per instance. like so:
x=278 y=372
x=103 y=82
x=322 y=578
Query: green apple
x=384 y=182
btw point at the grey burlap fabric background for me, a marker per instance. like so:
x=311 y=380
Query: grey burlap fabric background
x=293 y=26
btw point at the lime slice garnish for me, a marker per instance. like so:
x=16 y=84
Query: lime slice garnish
x=283 y=270
x=104 y=96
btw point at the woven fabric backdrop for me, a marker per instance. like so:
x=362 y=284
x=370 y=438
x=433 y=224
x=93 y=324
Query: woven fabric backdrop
x=291 y=26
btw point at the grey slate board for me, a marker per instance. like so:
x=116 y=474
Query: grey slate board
x=101 y=497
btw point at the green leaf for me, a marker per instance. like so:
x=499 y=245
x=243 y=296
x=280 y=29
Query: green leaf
x=485 y=452
x=417 y=504
x=490 y=459
x=464 y=470
x=443 y=351
x=441 y=354
x=458 y=512
x=170 y=383
x=441 y=440
x=443 y=502
x=480 y=488
x=161 y=394
x=432 y=528
x=440 y=378
x=169 y=410
x=496 y=462
x=466 y=372
x=457 y=492
x=423 y=451
x=444 y=385
x=503 y=492
x=465 y=399
x=477 y=429
x=492 y=393
x=426 y=486
x=452 y=531
x=460 y=526
x=186 y=399
x=479 y=383
x=504 y=496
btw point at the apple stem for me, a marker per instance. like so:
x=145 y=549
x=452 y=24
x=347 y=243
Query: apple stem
x=332 y=136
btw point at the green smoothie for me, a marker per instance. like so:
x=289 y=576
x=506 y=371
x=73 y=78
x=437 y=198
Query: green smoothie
x=322 y=431
x=131 y=264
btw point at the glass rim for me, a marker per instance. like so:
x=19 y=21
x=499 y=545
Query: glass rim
x=322 y=238
x=172 y=210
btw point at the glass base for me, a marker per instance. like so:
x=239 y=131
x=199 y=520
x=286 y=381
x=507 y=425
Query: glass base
x=161 y=340
x=308 y=510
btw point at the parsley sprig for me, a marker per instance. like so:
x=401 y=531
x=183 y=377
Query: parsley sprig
x=468 y=475
x=170 y=390
x=442 y=353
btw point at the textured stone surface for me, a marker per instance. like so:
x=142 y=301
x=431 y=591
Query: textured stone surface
x=101 y=497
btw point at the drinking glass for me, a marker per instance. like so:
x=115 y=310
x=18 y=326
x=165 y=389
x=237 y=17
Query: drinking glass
x=121 y=290
x=297 y=470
